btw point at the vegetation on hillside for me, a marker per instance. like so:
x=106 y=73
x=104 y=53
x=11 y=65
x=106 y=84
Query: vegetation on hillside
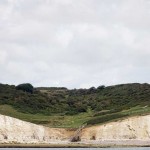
x=99 y=105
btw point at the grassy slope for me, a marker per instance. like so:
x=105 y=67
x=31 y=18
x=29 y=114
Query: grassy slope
x=74 y=121
x=51 y=121
x=50 y=106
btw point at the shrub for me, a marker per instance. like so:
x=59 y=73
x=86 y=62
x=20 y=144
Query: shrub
x=26 y=87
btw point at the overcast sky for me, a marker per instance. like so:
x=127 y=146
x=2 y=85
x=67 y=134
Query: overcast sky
x=74 y=43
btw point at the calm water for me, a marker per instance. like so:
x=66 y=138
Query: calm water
x=144 y=148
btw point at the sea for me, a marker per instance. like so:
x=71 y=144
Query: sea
x=141 y=148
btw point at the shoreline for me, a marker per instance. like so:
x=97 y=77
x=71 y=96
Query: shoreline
x=75 y=145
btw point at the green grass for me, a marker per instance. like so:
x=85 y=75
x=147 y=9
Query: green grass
x=51 y=121
x=74 y=121
x=138 y=110
x=134 y=111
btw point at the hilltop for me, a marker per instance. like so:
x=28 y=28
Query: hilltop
x=61 y=107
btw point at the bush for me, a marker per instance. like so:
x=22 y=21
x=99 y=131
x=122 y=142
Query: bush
x=71 y=113
x=26 y=87
x=101 y=87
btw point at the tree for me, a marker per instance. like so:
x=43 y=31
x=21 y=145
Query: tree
x=26 y=87
x=91 y=90
x=101 y=87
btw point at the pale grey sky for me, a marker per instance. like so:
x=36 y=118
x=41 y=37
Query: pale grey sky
x=74 y=43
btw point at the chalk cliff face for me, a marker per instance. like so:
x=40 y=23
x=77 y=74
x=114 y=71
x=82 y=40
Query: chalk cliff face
x=134 y=128
x=16 y=131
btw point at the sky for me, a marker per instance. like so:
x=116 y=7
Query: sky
x=74 y=43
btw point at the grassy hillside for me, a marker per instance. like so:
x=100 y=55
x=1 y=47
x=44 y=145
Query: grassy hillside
x=60 y=107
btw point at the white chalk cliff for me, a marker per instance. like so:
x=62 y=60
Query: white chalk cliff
x=137 y=128
x=16 y=131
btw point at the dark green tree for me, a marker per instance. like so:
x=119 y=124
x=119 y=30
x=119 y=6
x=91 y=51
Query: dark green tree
x=101 y=87
x=26 y=87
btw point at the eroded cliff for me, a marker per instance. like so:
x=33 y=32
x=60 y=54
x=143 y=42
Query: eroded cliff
x=133 y=128
x=128 y=131
x=16 y=131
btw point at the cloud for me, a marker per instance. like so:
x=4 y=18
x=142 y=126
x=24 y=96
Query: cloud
x=74 y=43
